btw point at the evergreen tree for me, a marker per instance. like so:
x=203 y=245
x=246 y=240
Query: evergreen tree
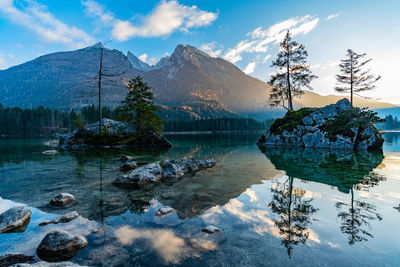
x=352 y=76
x=138 y=108
x=293 y=73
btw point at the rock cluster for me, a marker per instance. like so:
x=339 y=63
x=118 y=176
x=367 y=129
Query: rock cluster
x=166 y=169
x=308 y=132
x=60 y=245
x=15 y=219
x=119 y=135
x=128 y=166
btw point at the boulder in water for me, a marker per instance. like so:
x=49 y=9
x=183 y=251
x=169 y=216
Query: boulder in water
x=62 y=219
x=60 y=246
x=62 y=200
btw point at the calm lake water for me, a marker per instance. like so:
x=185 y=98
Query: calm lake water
x=279 y=207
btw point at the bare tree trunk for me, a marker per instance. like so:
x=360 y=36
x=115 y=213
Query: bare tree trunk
x=288 y=82
x=351 y=82
x=99 y=85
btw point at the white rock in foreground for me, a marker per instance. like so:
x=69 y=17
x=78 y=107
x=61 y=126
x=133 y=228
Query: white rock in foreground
x=14 y=218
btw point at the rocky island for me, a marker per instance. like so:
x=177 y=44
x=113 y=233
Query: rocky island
x=115 y=134
x=335 y=126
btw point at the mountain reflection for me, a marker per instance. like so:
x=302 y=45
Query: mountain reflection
x=349 y=171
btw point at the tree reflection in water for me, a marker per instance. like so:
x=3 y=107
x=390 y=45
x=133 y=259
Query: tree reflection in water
x=293 y=213
x=348 y=171
x=357 y=215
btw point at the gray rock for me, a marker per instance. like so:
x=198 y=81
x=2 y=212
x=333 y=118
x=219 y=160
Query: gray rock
x=208 y=163
x=49 y=264
x=125 y=158
x=15 y=219
x=164 y=211
x=343 y=142
x=62 y=200
x=307 y=120
x=369 y=138
x=50 y=152
x=60 y=246
x=62 y=219
x=149 y=173
x=318 y=117
x=313 y=139
x=210 y=229
x=10 y=259
x=129 y=166
x=343 y=104
x=329 y=111
x=171 y=170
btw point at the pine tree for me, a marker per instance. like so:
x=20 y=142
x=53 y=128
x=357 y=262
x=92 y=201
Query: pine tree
x=138 y=108
x=293 y=73
x=352 y=76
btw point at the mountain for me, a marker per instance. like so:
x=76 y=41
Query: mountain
x=188 y=81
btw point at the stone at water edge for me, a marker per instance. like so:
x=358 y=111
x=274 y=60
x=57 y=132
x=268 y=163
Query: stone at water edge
x=50 y=152
x=15 y=219
x=49 y=264
x=164 y=211
x=149 y=173
x=62 y=200
x=171 y=170
x=11 y=259
x=60 y=246
x=62 y=219
x=125 y=158
x=210 y=229
x=129 y=166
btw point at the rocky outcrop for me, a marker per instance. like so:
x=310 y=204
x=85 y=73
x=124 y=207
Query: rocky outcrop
x=166 y=169
x=60 y=246
x=62 y=200
x=62 y=219
x=115 y=134
x=318 y=129
x=15 y=219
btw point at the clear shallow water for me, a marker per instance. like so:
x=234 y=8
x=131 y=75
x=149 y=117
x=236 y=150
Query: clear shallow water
x=288 y=207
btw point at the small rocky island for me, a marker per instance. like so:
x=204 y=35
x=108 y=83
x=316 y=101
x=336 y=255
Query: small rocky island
x=335 y=126
x=115 y=134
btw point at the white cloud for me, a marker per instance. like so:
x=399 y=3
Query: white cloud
x=261 y=39
x=210 y=48
x=3 y=63
x=266 y=58
x=167 y=17
x=250 y=67
x=150 y=61
x=36 y=18
x=332 y=16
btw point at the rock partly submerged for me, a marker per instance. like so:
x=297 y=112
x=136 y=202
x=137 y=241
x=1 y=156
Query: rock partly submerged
x=60 y=246
x=164 y=211
x=62 y=200
x=166 y=169
x=128 y=166
x=115 y=134
x=15 y=219
x=62 y=219
x=49 y=264
x=334 y=126
x=12 y=259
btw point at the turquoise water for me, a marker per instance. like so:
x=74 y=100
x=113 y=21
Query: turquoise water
x=279 y=207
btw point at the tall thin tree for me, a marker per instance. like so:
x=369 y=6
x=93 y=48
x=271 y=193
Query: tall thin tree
x=352 y=78
x=293 y=73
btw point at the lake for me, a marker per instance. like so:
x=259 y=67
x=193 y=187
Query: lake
x=279 y=207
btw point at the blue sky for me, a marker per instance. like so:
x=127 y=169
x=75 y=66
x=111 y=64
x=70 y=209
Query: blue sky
x=243 y=32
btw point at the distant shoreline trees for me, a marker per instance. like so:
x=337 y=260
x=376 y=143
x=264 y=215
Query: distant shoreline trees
x=293 y=73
